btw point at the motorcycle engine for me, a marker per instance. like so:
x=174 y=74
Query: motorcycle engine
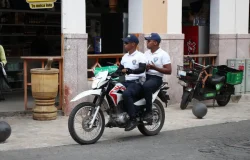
x=120 y=117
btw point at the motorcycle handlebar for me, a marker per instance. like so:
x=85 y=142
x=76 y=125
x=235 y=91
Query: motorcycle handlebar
x=208 y=66
x=189 y=58
x=117 y=74
x=192 y=60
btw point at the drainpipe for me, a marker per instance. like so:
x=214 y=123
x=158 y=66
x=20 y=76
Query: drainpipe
x=236 y=33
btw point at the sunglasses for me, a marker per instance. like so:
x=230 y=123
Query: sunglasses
x=148 y=41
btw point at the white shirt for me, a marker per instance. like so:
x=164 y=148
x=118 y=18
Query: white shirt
x=159 y=58
x=132 y=61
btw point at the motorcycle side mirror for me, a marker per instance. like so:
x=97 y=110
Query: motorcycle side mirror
x=111 y=63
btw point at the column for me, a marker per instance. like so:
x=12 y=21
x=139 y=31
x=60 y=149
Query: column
x=74 y=50
x=174 y=44
x=163 y=17
x=229 y=36
x=242 y=29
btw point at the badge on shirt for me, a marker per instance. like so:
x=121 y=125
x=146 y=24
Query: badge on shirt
x=134 y=62
x=155 y=59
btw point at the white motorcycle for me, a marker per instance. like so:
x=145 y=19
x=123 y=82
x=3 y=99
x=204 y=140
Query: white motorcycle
x=86 y=121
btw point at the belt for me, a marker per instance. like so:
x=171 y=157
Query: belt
x=132 y=81
x=155 y=76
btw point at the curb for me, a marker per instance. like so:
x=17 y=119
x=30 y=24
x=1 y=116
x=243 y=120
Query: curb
x=23 y=113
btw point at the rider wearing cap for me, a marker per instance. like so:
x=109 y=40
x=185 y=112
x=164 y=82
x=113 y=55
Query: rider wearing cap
x=133 y=64
x=158 y=64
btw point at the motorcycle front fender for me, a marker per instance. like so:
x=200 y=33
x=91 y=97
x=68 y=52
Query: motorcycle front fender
x=86 y=93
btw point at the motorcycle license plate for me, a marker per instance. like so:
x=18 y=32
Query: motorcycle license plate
x=182 y=73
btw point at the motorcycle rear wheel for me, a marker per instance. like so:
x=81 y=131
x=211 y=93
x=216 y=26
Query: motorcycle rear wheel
x=225 y=101
x=99 y=124
x=158 y=120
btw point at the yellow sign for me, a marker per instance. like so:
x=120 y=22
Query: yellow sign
x=40 y=4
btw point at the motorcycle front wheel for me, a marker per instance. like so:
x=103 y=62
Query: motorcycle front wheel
x=185 y=100
x=158 y=120
x=79 y=123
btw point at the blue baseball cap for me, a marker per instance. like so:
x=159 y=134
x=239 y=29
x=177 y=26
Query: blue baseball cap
x=154 y=36
x=131 y=39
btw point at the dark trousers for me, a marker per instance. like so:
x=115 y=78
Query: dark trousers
x=132 y=91
x=151 y=85
x=3 y=83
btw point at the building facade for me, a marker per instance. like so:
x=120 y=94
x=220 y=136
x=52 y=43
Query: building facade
x=229 y=37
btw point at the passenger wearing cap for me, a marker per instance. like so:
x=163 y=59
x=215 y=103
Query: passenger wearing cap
x=133 y=64
x=158 y=64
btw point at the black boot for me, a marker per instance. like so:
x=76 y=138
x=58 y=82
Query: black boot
x=148 y=116
x=131 y=124
x=110 y=124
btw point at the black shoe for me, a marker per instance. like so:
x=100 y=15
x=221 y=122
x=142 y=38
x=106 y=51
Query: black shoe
x=109 y=124
x=131 y=125
x=148 y=116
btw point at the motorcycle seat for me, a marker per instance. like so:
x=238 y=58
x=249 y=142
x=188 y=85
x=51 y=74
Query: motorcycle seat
x=217 y=79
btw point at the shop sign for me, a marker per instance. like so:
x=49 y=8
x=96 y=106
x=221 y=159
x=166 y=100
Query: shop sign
x=191 y=47
x=40 y=4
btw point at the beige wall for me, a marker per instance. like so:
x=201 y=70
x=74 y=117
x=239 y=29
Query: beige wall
x=155 y=16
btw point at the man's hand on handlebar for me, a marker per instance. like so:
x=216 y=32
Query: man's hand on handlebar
x=127 y=70
x=117 y=74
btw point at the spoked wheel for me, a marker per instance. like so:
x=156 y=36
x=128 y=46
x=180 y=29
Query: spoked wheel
x=158 y=120
x=79 y=124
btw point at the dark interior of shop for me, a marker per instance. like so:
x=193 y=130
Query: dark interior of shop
x=37 y=32
x=195 y=26
x=26 y=32
x=110 y=27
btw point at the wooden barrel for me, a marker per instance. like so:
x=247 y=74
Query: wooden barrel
x=44 y=86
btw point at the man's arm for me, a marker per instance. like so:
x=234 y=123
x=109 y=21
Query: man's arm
x=120 y=68
x=167 y=68
x=141 y=69
x=2 y=56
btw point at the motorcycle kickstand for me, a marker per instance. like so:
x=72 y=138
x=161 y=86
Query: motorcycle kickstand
x=213 y=102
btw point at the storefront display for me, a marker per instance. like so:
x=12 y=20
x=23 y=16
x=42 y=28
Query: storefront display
x=22 y=29
x=195 y=26
x=196 y=40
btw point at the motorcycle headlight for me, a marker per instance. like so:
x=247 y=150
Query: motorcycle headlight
x=95 y=83
x=182 y=83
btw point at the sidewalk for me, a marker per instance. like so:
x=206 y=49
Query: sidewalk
x=28 y=133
